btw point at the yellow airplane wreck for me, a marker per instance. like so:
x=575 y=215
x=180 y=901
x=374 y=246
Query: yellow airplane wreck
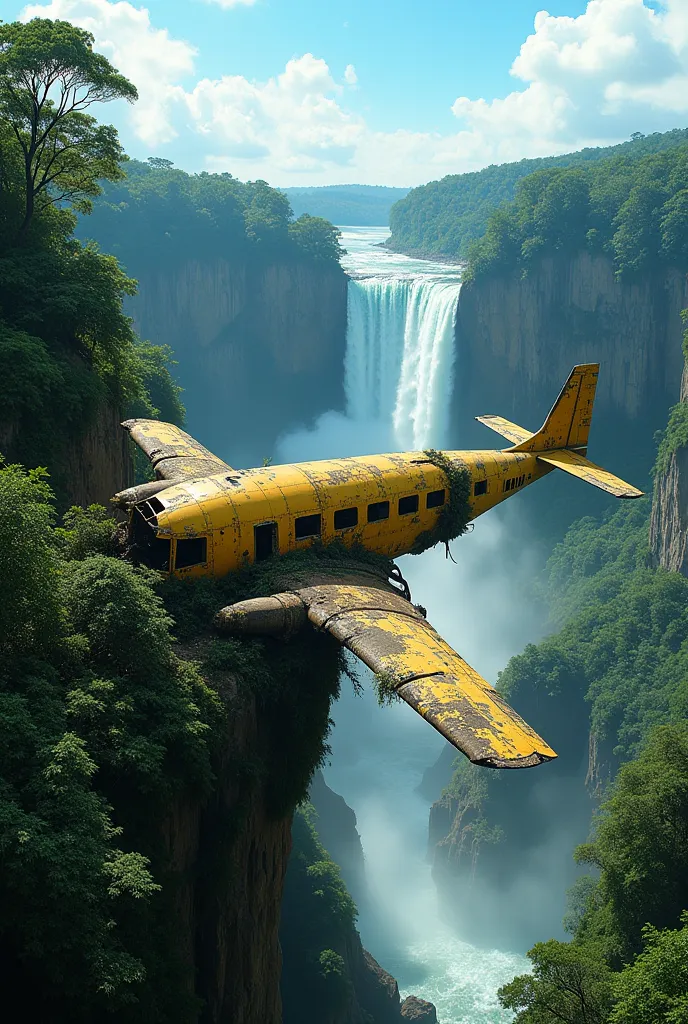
x=201 y=517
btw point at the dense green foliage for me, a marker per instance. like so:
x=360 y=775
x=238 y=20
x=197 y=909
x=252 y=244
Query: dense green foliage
x=67 y=351
x=106 y=733
x=444 y=217
x=360 y=205
x=102 y=726
x=159 y=215
x=318 y=918
x=634 y=210
x=604 y=976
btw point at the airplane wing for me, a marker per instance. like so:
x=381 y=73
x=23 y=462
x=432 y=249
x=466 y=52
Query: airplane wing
x=390 y=635
x=174 y=454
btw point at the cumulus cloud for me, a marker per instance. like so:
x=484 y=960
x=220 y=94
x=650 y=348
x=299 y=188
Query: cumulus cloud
x=294 y=118
x=619 y=67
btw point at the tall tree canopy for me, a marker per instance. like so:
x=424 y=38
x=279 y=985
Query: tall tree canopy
x=49 y=77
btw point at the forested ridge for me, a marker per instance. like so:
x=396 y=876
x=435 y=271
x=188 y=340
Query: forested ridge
x=156 y=213
x=635 y=211
x=360 y=205
x=444 y=217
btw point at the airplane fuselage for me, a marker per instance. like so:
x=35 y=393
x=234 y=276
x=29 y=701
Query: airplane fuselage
x=214 y=525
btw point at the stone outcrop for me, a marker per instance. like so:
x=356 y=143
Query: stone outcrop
x=520 y=336
x=336 y=827
x=260 y=349
x=229 y=860
x=418 y=1010
x=669 y=522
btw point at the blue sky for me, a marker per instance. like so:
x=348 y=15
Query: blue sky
x=383 y=91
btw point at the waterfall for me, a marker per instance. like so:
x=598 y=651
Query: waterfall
x=399 y=361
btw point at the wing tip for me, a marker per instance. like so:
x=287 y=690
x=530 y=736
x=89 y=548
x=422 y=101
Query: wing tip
x=530 y=761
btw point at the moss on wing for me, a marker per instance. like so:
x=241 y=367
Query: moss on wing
x=454 y=518
x=386 y=688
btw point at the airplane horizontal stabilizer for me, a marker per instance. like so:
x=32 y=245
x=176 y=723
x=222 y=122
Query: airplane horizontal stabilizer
x=584 y=469
x=511 y=431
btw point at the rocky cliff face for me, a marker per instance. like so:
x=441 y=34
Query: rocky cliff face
x=88 y=467
x=228 y=860
x=336 y=827
x=260 y=348
x=519 y=336
x=517 y=339
x=669 y=522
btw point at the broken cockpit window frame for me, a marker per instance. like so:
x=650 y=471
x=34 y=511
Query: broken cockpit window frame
x=145 y=545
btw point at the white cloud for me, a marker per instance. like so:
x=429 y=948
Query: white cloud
x=293 y=119
x=619 y=67
x=350 y=76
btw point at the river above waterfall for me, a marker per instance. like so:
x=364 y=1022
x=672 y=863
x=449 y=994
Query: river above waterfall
x=365 y=255
x=401 y=361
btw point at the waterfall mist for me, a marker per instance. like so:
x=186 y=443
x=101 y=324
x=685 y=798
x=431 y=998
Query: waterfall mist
x=400 y=364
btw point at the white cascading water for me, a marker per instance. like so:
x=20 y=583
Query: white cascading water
x=399 y=355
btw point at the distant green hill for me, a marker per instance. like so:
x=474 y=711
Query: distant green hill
x=362 y=205
x=444 y=217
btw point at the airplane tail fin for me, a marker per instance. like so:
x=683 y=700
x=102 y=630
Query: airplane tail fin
x=563 y=438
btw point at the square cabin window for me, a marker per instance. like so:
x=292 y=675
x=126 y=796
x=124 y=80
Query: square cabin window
x=193 y=551
x=377 y=511
x=408 y=505
x=345 y=518
x=308 y=526
x=435 y=499
x=480 y=488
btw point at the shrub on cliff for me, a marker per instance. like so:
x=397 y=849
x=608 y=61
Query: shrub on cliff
x=318 y=917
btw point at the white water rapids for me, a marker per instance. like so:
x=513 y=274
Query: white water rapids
x=399 y=369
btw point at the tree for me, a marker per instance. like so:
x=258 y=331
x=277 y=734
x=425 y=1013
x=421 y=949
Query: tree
x=654 y=989
x=317 y=237
x=641 y=845
x=570 y=984
x=49 y=77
